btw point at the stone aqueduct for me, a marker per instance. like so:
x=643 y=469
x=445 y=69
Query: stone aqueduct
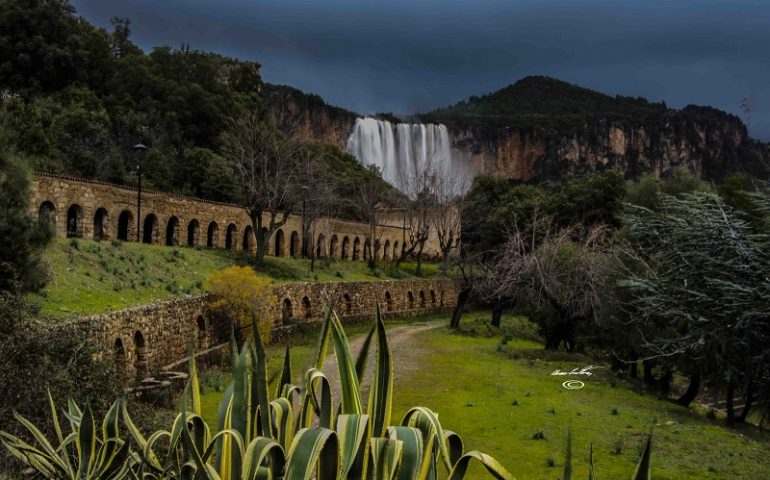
x=91 y=209
x=146 y=338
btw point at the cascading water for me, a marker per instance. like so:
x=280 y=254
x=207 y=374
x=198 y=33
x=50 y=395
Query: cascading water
x=404 y=151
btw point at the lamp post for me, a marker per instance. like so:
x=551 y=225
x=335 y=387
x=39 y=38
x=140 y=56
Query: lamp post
x=140 y=148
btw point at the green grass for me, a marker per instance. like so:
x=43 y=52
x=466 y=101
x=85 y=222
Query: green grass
x=474 y=388
x=90 y=277
x=497 y=403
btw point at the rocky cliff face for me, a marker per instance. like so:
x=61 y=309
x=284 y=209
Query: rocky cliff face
x=706 y=141
x=307 y=116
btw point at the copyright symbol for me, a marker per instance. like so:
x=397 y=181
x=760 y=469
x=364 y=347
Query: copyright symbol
x=573 y=384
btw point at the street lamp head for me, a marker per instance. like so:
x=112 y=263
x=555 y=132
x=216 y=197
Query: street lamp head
x=140 y=147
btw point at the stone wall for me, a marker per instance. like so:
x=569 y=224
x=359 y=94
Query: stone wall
x=144 y=339
x=91 y=209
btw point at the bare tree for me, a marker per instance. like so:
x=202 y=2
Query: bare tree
x=559 y=273
x=371 y=193
x=445 y=216
x=265 y=163
x=318 y=197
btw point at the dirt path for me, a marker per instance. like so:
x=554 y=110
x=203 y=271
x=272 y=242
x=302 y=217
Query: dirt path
x=405 y=348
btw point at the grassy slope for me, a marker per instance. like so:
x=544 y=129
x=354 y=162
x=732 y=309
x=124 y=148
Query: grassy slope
x=95 y=277
x=473 y=386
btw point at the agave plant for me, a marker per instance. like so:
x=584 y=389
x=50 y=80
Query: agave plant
x=85 y=453
x=299 y=434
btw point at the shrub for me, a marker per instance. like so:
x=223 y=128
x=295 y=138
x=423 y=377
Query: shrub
x=237 y=294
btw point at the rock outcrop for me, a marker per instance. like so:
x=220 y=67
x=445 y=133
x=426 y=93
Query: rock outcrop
x=308 y=116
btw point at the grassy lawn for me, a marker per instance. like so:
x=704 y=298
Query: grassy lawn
x=497 y=403
x=91 y=277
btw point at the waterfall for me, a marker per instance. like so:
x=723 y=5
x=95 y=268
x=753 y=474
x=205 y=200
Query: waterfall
x=404 y=151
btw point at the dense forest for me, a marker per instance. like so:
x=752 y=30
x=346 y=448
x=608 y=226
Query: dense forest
x=75 y=98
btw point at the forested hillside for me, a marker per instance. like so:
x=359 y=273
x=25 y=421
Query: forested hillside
x=75 y=98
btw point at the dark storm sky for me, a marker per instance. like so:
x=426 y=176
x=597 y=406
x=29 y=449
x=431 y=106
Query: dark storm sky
x=413 y=55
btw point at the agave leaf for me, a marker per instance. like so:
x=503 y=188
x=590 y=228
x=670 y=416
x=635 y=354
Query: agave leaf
x=386 y=455
x=311 y=447
x=86 y=444
x=363 y=354
x=349 y=386
x=323 y=339
x=148 y=453
x=113 y=465
x=352 y=431
x=55 y=417
x=318 y=399
x=36 y=458
x=643 y=471
x=285 y=373
x=381 y=393
x=282 y=421
x=110 y=423
x=454 y=445
x=259 y=389
x=46 y=449
x=194 y=385
x=412 y=451
x=492 y=466
x=427 y=422
x=259 y=450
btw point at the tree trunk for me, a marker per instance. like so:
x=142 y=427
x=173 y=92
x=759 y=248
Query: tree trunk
x=462 y=299
x=664 y=382
x=497 y=312
x=418 y=270
x=749 y=400
x=649 y=378
x=692 y=391
x=729 y=404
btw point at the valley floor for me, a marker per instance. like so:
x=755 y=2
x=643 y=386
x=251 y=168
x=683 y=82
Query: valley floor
x=497 y=403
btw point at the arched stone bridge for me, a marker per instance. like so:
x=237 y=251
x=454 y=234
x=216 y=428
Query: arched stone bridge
x=83 y=208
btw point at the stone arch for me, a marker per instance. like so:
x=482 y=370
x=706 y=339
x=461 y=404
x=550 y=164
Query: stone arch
x=150 y=229
x=432 y=297
x=294 y=244
x=347 y=303
x=75 y=221
x=287 y=312
x=388 y=301
x=47 y=214
x=396 y=253
x=140 y=363
x=212 y=235
x=279 y=243
x=410 y=299
x=101 y=225
x=377 y=249
x=386 y=250
x=441 y=298
x=320 y=248
x=193 y=232
x=367 y=249
x=125 y=225
x=356 y=248
x=120 y=354
x=422 y=298
x=334 y=247
x=307 y=310
x=172 y=232
x=248 y=239
x=203 y=337
x=230 y=235
x=345 y=248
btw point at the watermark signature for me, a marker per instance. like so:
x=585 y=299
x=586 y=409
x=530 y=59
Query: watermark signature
x=576 y=371
x=573 y=384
